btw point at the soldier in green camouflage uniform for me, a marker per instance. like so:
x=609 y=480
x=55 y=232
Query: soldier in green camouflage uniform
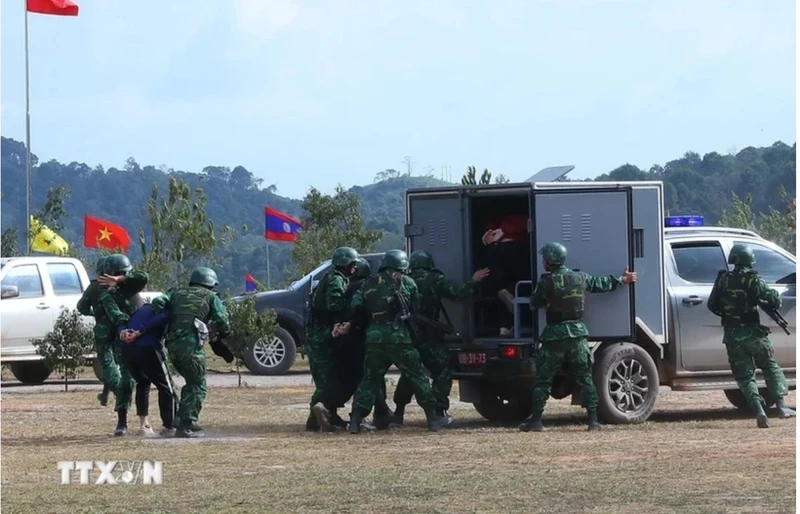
x=735 y=298
x=433 y=286
x=109 y=301
x=388 y=339
x=85 y=308
x=561 y=292
x=329 y=306
x=191 y=309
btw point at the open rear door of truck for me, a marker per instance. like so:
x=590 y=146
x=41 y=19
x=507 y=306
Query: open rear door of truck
x=596 y=227
x=435 y=222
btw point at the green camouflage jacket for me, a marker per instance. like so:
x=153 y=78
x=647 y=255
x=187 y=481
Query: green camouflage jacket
x=433 y=285
x=571 y=329
x=329 y=303
x=110 y=308
x=377 y=300
x=187 y=303
x=735 y=298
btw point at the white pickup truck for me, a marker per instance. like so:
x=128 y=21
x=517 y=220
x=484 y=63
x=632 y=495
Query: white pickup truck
x=34 y=290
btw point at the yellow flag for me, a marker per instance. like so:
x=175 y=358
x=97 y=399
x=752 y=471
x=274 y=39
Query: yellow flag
x=45 y=240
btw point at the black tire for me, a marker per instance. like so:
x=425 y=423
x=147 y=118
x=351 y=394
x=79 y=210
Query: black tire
x=627 y=384
x=31 y=373
x=272 y=357
x=737 y=399
x=504 y=407
x=98 y=369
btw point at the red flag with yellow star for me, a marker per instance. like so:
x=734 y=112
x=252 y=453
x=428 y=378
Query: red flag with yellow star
x=99 y=233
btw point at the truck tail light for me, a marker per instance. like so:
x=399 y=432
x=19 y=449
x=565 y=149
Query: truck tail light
x=510 y=352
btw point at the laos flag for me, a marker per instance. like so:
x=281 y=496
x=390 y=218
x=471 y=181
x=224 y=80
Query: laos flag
x=281 y=227
x=250 y=284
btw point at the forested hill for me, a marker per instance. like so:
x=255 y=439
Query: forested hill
x=694 y=185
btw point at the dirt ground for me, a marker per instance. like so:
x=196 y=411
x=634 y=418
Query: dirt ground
x=696 y=455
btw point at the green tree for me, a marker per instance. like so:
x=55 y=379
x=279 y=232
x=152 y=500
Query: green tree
x=331 y=221
x=470 y=177
x=63 y=348
x=774 y=225
x=247 y=327
x=8 y=246
x=181 y=234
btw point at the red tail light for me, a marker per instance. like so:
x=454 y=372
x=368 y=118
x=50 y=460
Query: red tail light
x=510 y=352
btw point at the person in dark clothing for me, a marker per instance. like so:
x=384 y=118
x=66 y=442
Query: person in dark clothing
x=143 y=353
x=507 y=252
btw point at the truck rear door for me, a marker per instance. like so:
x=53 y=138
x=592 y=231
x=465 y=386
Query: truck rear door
x=596 y=227
x=434 y=222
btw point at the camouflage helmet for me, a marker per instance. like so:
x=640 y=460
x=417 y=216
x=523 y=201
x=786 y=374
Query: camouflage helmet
x=554 y=254
x=421 y=259
x=202 y=276
x=117 y=263
x=344 y=257
x=100 y=266
x=741 y=255
x=395 y=259
x=363 y=269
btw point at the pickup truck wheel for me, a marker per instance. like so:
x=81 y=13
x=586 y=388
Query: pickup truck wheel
x=511 y=407
x=627 y=384
x=273 y=355
x=32 y=373
x=737 y=399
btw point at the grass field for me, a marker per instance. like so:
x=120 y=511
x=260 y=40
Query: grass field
x=696 y=454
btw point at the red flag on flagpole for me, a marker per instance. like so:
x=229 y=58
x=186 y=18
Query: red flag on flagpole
x=56 y=7
x=99 y=233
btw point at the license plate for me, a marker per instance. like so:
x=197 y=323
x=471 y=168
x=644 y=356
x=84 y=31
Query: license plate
x=472 y=358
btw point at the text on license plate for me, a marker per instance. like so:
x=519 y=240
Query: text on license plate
x=471 y=358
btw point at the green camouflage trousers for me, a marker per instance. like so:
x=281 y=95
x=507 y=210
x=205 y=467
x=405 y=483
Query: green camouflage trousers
x=744 y=357
x=115 y=375
x=189 y=361
x=379 y=357
x=549 y=362
x=323 y=367
x=434 y=357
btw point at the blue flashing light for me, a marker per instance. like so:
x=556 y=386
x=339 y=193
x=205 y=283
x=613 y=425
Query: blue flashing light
x=684 y=221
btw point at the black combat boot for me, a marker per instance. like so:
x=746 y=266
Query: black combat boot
x=594 y=424
x=337 y=421
x=187 y=433
x=382 y=417
x=532 y=424
x=443 y=414
x=436 y=422
x=103 y=396
x=311 y=423
x=399 y=412
x=355 y=421
x=761 y=417
x=122 y=423
x=323 y=417
x=784 y=412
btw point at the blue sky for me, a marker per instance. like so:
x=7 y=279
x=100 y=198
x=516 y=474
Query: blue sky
x=318 y=92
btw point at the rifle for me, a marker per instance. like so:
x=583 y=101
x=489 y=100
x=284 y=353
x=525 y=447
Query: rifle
x=776 y=317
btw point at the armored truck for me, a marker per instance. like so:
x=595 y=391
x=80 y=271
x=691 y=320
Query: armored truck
x=657 y=332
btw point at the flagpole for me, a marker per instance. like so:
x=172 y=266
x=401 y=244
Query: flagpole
x=27 y=140
x=266 y=248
